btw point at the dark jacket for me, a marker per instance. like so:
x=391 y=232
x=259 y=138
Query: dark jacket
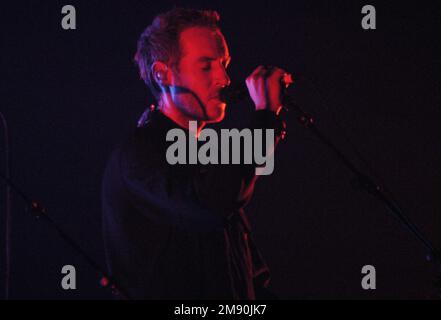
x=178 y=231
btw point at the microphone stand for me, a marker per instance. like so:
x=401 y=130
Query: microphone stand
x=364 y=182
x=40 y=213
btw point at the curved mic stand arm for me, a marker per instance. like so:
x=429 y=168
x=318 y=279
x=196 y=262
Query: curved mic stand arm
x=364 y=182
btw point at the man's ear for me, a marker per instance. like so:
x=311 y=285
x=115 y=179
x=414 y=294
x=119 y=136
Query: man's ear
x=161 y=73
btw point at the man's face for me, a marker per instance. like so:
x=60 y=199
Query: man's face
x=201 y=74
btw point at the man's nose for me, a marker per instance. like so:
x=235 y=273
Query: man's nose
x=223 y=80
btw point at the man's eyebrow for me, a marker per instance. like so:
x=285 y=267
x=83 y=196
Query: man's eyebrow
x=207 y=59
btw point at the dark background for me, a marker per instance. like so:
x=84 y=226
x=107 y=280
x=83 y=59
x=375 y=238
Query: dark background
x=70 y=95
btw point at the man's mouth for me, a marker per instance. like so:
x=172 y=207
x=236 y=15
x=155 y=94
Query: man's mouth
x=217 y=97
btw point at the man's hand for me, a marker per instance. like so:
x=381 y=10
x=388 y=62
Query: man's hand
x=265 y=87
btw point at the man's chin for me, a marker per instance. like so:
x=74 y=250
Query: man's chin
x=216 y=119
x=216 y=113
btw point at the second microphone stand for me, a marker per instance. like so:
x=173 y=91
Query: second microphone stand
x=364 y=182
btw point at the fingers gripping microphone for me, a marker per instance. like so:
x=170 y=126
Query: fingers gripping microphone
x=238 y=92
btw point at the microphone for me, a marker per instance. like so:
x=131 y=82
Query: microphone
x=238 y=92
x=234 y=93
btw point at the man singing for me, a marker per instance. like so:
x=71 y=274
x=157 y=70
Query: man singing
x=180 y=231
